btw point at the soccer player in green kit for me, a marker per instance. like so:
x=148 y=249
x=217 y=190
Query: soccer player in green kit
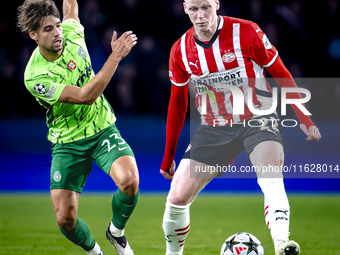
x=80 y=120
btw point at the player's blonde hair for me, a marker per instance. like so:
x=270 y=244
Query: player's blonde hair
x=31 y=12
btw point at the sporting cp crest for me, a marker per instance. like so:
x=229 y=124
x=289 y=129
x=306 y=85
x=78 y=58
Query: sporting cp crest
x=82 y=53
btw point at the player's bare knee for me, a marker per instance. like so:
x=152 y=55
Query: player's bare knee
x=178 y=198
x=66 y=222
x=271 y=160
x=174 y=199
x=129 y=183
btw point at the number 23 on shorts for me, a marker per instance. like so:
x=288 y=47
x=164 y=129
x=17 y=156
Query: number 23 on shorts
x=117 y=142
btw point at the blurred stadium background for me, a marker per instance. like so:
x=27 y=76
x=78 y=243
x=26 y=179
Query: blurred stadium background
x=305 y=36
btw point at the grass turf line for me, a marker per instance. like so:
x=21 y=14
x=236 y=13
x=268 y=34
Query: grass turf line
x=28 y=226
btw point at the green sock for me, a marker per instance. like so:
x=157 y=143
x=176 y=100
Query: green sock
x=122 y=208
x=80 y=235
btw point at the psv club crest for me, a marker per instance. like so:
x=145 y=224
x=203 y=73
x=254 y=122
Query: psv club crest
x=228 y=57
x=72 y=65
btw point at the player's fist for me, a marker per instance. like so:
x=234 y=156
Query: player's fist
x=170 y=173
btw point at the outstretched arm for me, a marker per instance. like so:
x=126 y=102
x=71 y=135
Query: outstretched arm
x=284 y=79
x=70 y=10
x=92 y=90
x=176 y=116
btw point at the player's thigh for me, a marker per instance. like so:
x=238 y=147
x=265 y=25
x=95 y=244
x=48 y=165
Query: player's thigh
x=124 y=173
x=264 y=144
x=267 y=153
x=115 y=157
x=71 y=165
x=187 y=183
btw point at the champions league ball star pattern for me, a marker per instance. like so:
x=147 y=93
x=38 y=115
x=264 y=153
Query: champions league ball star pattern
x=40 y=88
x=242 y=244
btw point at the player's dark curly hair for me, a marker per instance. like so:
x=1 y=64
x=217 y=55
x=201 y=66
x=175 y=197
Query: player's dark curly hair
x=31 y=12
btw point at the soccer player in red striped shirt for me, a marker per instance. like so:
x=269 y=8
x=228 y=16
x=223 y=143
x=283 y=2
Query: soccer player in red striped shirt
x=222 y=57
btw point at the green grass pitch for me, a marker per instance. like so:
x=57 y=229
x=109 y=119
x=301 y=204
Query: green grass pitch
x=28 y=226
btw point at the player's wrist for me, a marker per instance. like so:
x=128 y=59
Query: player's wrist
x=166 y=164
x=114 y=56
x=307 y=122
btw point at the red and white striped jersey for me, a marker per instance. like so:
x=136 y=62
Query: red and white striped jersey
x=235 y=56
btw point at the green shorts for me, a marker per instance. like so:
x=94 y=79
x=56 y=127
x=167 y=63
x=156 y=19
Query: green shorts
x=72 y=162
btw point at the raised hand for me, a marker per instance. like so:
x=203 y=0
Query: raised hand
x=122 y=46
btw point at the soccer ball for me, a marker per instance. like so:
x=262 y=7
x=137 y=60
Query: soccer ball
x=242 y=244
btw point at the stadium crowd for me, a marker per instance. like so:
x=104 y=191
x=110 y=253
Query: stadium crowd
x=305 y=35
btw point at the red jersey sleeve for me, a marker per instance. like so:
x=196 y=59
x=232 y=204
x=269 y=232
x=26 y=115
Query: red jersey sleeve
x=283 y=78
x=176 y=117
x=178 y=103
x=260 y=48
x=177 y=73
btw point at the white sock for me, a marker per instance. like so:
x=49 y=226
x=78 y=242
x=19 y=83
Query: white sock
x=115 y=231
x=95 y=251
x=176 y=226
x=277 y=210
